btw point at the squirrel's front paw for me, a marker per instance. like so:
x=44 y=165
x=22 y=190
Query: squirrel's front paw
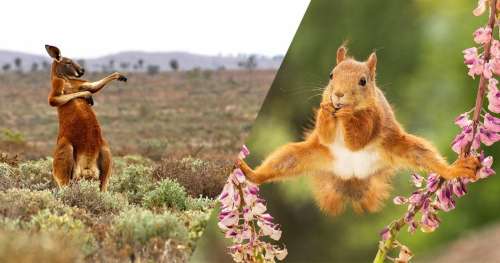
x=345 y=111
x=464 y=167
x=247 y=171
x=327 y=107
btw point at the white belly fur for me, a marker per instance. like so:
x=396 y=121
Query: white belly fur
x=348 y=164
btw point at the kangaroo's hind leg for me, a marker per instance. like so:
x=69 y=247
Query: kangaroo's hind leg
x=104 y=163
x=62 y=166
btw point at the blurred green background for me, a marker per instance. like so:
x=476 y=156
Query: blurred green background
x=420 y=68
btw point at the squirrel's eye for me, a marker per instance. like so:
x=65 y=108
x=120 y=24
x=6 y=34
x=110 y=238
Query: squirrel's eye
x=331 y=75
x=362 y=81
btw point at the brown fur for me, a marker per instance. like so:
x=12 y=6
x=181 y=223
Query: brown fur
x=366 y=120
x=81 y=151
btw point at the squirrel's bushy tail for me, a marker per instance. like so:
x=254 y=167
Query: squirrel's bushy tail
x=333 y=193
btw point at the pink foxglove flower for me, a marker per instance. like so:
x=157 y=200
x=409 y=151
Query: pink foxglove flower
x=385 y=233
x=495 y=49
x=486 y=170
x=476 y=68
x=488 y=137
x=493 y=97
x=470 y=56
x=244 y=152
x=417 y=180
x=437 y=194
x=399 y=200
x=491 y=123
x=481 y=7
x=488 y=69
x=463 y=120
x=462 y=139
x=482 y=35
x=458 y=187
x=244 y=220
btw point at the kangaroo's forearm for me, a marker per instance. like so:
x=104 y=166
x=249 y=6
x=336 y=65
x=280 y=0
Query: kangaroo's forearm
x=96 y=86
x=56 y=101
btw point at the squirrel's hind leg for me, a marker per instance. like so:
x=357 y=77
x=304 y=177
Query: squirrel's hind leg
x=333 y=193
x=328 y=197
x=372 y=198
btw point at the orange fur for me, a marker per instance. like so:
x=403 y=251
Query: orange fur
x=356 y=145
x=81 y=151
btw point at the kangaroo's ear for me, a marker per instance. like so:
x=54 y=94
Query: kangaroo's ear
x=372 y=63
x=53 y=52
x=341 y=54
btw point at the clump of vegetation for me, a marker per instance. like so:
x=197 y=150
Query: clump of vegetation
x=23 y=203
x=9 y=135
x=141 y=217
x=134 y=181
x=17 y=246
x=67 y=227
x=86 y=194
x=168 y=193
x=36 y=175
x=199 y=177
x=137 y=226
x=6 y=176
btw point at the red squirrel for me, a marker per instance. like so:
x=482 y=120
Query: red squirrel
x=356 y=145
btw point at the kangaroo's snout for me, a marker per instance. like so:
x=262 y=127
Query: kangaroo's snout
x=81 y=72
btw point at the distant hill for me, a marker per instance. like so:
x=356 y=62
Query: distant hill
x=130 y=61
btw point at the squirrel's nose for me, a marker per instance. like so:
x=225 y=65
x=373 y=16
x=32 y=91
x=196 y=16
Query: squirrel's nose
x=339 y=94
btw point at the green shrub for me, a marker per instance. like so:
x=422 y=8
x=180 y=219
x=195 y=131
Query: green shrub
x=134 y=181
x=199 y=177
x=154 y=148
x=120 y=163
x=7 y=176
x=13 y=136
x=196 y=222
x=37 y=175
x=200 y=203
x=17 y=246
x=167 y=193
x=137 y=226
x=9 y=224
x=86 y=195
x=24 y=203
x=66 y=226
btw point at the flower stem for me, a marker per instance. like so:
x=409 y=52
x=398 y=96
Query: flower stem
x=397 y=225
x=482 y=81
x=388 y=244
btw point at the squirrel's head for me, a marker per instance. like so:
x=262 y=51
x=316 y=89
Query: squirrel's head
x=352 y=82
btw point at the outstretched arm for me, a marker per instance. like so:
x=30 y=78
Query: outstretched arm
x=56 y=98
x=98 y=85
x=415 y=152
x=290 y=160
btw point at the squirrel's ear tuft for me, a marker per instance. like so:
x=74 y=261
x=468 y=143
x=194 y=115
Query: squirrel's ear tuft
x=341 y=54
x=372 y=63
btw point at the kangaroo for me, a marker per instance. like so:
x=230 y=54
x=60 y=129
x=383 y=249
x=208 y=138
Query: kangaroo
x=81 y=151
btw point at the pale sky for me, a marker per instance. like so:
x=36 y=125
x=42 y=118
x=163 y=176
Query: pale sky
x=91 y=28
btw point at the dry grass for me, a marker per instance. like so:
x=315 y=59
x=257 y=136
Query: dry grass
x=173 y=137
x=202 y=113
